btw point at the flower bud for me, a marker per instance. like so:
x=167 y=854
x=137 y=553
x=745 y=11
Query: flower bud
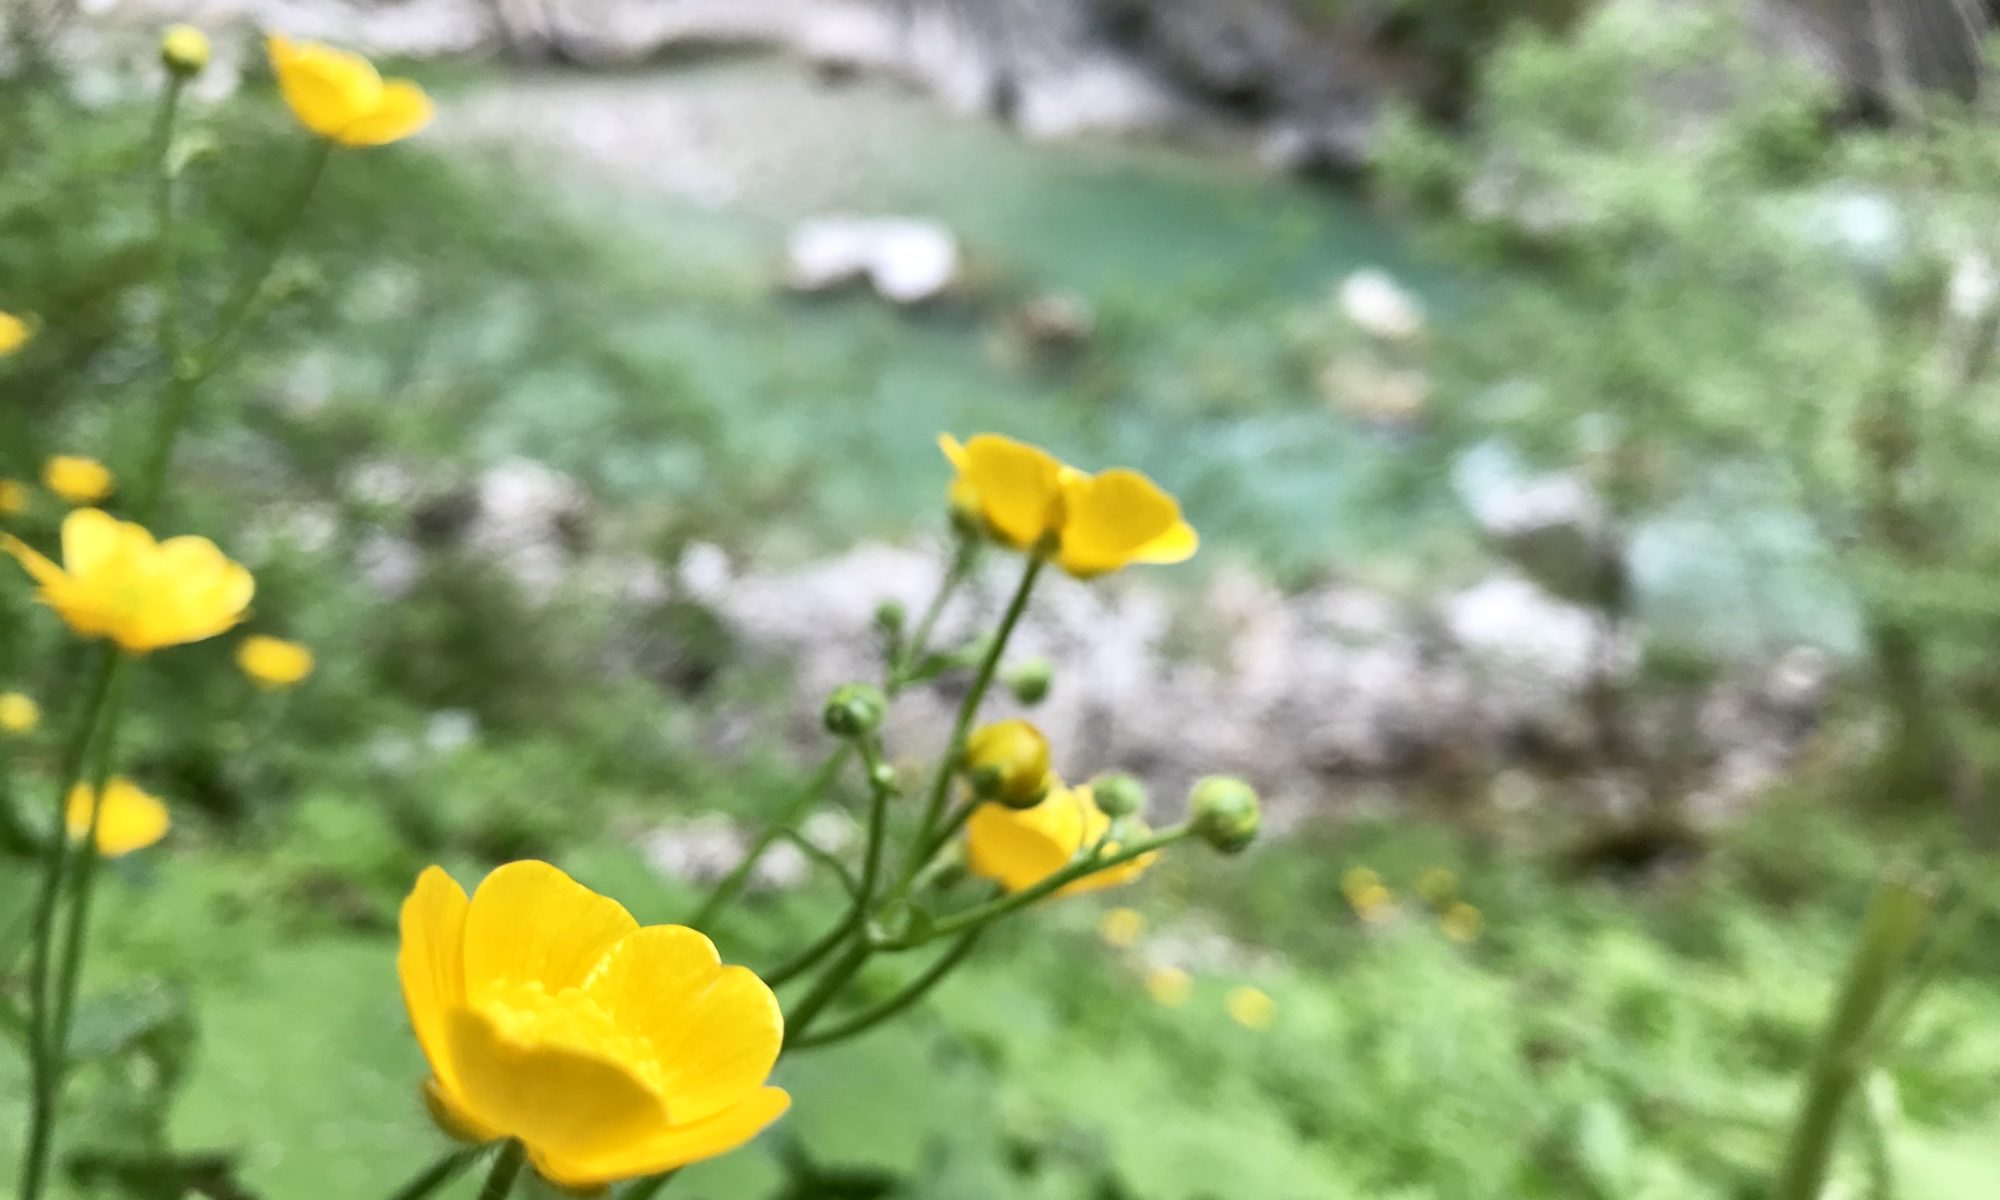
x=1029 y=680
x=1224 y=812
x=184 y=49
x=854 y=710
x=882 y=777
x=1008 y=761
x=890 y=616
x=1118 y=795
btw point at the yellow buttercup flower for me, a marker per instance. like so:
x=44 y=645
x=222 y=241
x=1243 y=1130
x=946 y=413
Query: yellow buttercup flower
x=14 y=333
x=274 y=662
x=1121 y=927
x=130 y=819
x=1374 y=903
x=77 y=479
x=1030 y=500
x=609 y=1050
x=1169 y=986
x=117 y=582
x=340 y=96
x=1438 y=885
x=1008 y=761
x=13 y=497
x=1462 y=922
x=1018 y=848
x=18 y=713
x=1251 y=1008
x=1357 y=880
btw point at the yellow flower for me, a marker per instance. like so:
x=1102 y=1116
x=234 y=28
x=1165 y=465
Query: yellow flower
x=1374 y=903
x=339 y=96
x=609 y=1050
x=185 y=50
x=14 y=333
x=1437 y=885
x=77 y=479
x=1357 y=880
x=1121 y=927
x=1462 y=922
x=1168 y=986
x=13 y=497
x=117 y=582
x=274 y=662
x=18 y=713
x=1091 y=524
x=1251 y=1008
x=1018 y=848
x=129 y=818
x=1008 y=761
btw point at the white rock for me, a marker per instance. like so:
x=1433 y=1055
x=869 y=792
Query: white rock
x=1380 y=306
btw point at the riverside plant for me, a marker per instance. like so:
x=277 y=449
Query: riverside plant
x=562 y=1037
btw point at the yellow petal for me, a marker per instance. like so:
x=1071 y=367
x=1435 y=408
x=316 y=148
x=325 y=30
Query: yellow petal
x=39 y=567
x=402 y=110
x=94 y=541
x=529 y=922
x=326 y=89
x=1019 y=488
x=560 y=1100
x=1019 y=848
x=673 y=1147
x=14 y=333
x=431 y=964
x=1175 y=545
x=128 y=819
x=954 y=453
x=715 y=1030
x=1119 y=517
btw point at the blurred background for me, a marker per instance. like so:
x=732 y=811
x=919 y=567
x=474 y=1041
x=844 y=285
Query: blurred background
x=1589 y=408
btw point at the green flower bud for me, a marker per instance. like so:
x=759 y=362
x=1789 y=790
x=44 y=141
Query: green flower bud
x=890 y=616
x=882 y=777
x=854 y=710
x=184 y=49
x=1224 y=812
x=1029 y=680
x=1008 y=761
x=1119 y=795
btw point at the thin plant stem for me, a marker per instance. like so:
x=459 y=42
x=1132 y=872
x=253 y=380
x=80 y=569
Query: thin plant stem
x=803 y=961
x=77 y=930
x=1896 y=918
x=732 y=883
x=905 y=996
x=918 y=645
x=800 y=1019
x=506 y=1169
x=439 y=1173
x=163 y=219
x=650 y=1187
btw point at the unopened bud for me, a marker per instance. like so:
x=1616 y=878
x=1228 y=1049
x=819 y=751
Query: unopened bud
x=1029 y=680
x=1225 y=812
x=1008 y=761
x=882 y=777
x=889 y=617
x=1118 y=795
x=854 y=710
x=185 y=50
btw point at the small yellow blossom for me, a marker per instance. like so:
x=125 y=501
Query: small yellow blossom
x=1374 y=903
x=1030 y=500
x=129 y=818
x=1462 y=922
x=1008 y=761
x=1438 y=885
x=608 y=1049
x=340 y=96
x=1018 y=848
x=185 y=50
x=1121 y=927
x=14 y=333
x=77 y=479
x=1169 y=986
x=13 y=497
x=274 y=663
x=117 y=582
x=18 y=713
x=1251 y=1008
x=1357 y=880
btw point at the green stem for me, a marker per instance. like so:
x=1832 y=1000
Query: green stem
x=918 y=645
x=77 y=930
x=800 y=1019
x=506 y=1169
x=732 y=883
x=646 y=1189
x=44 y=1066
x=907 y=995
x=1896 y=918
x=803 y=961
x=163 y=219
x=834 y=867
x=439 y=1173
x=981 y=914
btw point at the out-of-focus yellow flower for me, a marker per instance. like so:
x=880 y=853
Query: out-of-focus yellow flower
x=1438 y=885
x=18 y=713
x=14 y=333
x=274 y=662
x=340 y=96
x=1121 y=927
x=13 y=497
x=609 y=1050
x=185 y=50
x=1018 y=848
x=117 y=582
x=1008 y=761
x=1169 y=986
x=1462 y=922
x=1251 y=1008
x=1090 y=524
x=129 y=818
x=1374 y=903
x=1357 y=880
x=77 y=479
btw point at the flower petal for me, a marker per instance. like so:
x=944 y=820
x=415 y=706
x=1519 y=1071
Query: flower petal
x=94 y=542
x=530 y=922
x=326 y=89
x=1019 y=487
x=560 y=1101
x=1020 y=848
x=674 y=1147
x=716 y=1030
x=431 y=964
x=44 y=572
x=403 y=109
x=1111 y=519
x=128 y=819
